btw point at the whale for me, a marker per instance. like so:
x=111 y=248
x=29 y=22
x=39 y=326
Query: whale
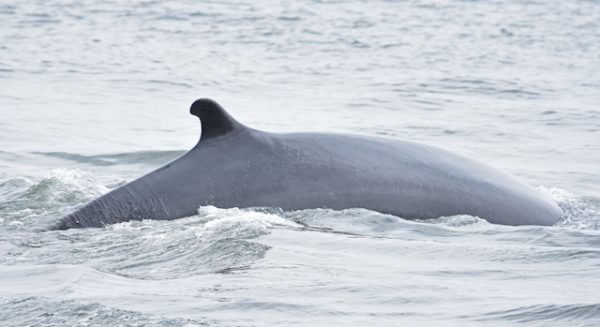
x=233 y=165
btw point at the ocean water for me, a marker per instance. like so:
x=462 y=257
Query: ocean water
x=96 y=93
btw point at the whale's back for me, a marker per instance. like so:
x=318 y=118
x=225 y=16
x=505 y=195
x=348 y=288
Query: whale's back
x=236 y=166
x=406 y=179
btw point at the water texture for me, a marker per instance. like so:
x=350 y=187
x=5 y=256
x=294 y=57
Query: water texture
x=95 y=94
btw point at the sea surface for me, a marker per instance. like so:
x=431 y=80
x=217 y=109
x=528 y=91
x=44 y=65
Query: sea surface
x=94 y=94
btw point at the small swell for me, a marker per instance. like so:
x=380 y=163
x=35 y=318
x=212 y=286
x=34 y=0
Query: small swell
x=137 y=157
x=43 y=311
x=552 y=312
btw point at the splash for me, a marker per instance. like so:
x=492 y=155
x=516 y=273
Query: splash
x=24 y=201
x=579 y=212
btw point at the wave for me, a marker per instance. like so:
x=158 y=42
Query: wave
x=34 y=204
x=541 y=315
x=110 y=159
x=45 y=311
x=213 y=241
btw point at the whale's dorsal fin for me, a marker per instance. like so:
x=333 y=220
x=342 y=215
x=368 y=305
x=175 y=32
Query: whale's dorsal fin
x=215 y=121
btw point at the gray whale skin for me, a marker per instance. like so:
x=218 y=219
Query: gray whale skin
x=236 y=166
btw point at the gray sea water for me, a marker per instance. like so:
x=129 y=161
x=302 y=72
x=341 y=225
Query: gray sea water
x=96 y=93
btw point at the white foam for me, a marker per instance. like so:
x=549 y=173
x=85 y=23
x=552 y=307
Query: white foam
x=237 y=223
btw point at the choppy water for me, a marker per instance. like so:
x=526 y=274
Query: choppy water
x=93 y=94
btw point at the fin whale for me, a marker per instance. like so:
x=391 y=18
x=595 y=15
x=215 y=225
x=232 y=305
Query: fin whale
x=236 y=166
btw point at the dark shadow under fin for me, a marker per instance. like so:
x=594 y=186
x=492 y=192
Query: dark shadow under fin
x=215 y=121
